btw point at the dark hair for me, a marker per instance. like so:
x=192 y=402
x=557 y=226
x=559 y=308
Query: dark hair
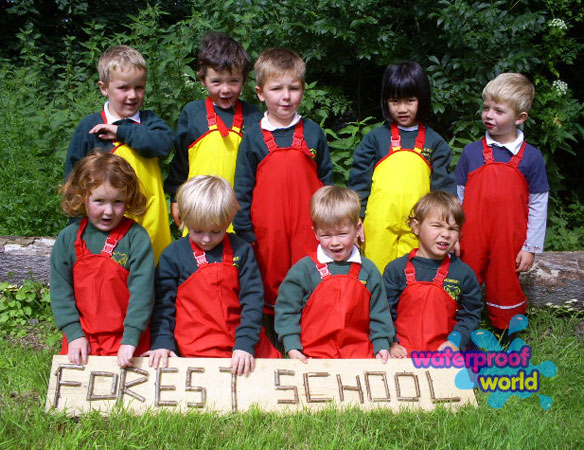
x=220 y=52
x=406 y=79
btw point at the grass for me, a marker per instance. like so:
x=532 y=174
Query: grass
x=24 y=371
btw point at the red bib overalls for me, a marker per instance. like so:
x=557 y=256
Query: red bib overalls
x=496 y=202
x=280 y=211
x=208 y=311
x=426 y=313
x=102 y=295
x=335 y=320
x=398 y=181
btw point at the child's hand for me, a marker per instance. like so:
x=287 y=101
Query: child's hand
x=297 y=354
x=79 y=349
x=382 y=355
x=456 y=248
x=398 y=351
x=524 y=261
x=448 y=344
x=242 y=363
x=175 y=214
x=125 y=355
x=105 y=131
x=159 y=357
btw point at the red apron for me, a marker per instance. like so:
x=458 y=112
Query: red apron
x=335 y=320
x=496 y=202
x=426 y=313
x=208 y=310
x=102 y=295
x=280 y=211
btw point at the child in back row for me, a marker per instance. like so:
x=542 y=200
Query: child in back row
x=140 y=137
x=430 y=292
x=209 y=294
x=102 y=268
x=209 y=131
x=332 y=304
x=503 y=187
x=282 y=161
x=398 y=163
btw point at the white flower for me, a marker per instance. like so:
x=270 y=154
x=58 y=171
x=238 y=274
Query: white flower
x=561 y=87
x=558 y=23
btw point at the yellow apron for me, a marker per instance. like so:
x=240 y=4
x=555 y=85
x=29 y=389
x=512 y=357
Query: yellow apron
x=398 y=182
x=155 y=219
x=215 y=152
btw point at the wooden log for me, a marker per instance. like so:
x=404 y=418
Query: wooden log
x=557 y=278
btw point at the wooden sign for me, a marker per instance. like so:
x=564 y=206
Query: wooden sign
x=276 y=385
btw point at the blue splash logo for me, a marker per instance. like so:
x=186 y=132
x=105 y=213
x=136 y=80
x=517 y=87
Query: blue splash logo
x=502 y=379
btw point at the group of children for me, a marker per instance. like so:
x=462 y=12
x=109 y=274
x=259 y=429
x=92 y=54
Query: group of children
x=372 y=270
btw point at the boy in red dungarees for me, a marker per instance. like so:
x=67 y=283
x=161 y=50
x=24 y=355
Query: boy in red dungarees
x=282 y=161
x=209 y=293
x=431 y=292
x=503 y=188
x=332 y=303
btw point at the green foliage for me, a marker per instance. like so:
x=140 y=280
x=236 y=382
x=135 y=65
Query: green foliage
x=18 y=305
x=565 y=225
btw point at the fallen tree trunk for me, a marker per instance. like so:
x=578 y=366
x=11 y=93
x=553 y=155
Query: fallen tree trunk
x=557 y=278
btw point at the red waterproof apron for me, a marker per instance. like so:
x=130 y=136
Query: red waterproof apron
x=208 y=311
x=426 y=313
x=102 y=295
x=335 y=320
x=280 y=211
x=399 y=180
x=215 y=152
x=496 y=202
x=155 y=218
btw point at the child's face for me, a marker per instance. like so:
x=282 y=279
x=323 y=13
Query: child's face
x=207 y=239
x=105 y=207
x=282 y=95
x=125 y=91
x=436 y=235
x=338 y=241
x=501 y=120
x=404 y=110
x=224 y=87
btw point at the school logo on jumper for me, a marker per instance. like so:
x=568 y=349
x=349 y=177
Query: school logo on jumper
x=120 y=258
x=313 y=153
x=500 y=373
x=427 y=152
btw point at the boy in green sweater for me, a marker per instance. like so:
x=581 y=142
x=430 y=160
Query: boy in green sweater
x=332 y=303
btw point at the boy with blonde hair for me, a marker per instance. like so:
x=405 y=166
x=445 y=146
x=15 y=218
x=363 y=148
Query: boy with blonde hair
x=209 y=131
x=503 y=187
x=139 y=137
x=209 y=293
x=430 y=292
x=332 y=303
x=282 y=161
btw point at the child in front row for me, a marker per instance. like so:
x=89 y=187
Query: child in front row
x=503 y=188
x=102 y=268
x=282 y=161
x=398 y=163
x=209 y=131
x=138 y=136
x=332 y=303
x=209 y=293
x=431 y=292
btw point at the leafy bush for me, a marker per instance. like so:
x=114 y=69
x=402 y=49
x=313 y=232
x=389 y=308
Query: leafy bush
x=19 y=305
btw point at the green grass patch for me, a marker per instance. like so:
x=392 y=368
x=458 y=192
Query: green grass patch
x=24 y=372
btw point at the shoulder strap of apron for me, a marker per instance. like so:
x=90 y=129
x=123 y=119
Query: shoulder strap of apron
x=516 y=159
x=410 y=270
x=213 y=120
x=322 y=268
x=396 y=138
x=442 y=271
x=238 y=117
x=116 y=236
x=80 y=243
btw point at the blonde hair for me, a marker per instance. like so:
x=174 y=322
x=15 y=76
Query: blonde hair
x=512 y=88
x=332 y=205
x=207 y=202
x=94 y=170
x=445 y=203
x=275 y=62
x=119 y=57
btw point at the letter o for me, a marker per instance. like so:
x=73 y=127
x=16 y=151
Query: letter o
x=514 y=359
x=501 y=359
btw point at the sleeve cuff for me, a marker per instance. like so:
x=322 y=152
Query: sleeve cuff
x=292 y=342
x=380 y=344
x=131 y=336
x=73 y=331
x=245 y=343
x=164 y=342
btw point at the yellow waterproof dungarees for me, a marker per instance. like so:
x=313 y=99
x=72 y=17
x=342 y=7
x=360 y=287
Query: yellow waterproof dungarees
x=398 y=182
